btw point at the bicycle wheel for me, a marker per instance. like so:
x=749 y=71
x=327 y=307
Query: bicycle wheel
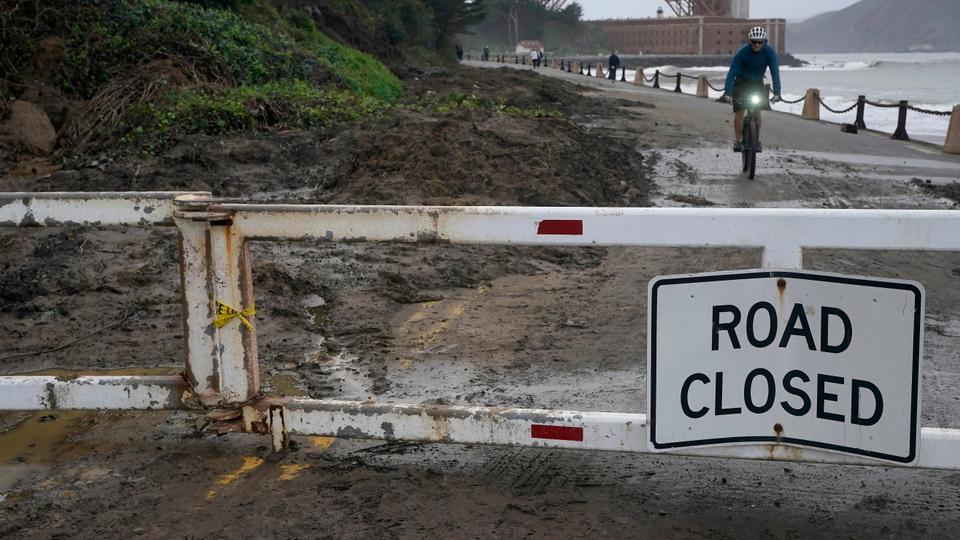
x=745 y=142
x=750 y=148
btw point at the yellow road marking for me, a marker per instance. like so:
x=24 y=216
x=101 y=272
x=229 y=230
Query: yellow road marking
x=289 y=472
x=451 y=314
x=249 y=463
x=322 y=442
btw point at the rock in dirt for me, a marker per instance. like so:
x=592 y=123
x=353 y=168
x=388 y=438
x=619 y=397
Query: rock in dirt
x=30 y=126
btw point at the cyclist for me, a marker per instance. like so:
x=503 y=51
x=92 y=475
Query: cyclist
x=745 y=78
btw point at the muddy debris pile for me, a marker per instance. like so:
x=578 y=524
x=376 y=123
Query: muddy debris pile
x=513 y=143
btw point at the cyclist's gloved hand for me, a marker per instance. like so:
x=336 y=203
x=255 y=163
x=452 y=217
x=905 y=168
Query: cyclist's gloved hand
x=725 y=99
x=776 y=98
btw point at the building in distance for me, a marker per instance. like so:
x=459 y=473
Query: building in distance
x=701 y=27
x=527 y=45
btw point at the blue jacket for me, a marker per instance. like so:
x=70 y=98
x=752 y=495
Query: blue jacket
x=751 y=66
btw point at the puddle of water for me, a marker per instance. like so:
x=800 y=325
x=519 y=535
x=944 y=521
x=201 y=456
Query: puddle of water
x=36 y=442
x=284 y=384
x=36 y=439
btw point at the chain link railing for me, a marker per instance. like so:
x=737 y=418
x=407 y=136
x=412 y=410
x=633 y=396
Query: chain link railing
x=859 y=105
x=929 y=111
x=834 y=111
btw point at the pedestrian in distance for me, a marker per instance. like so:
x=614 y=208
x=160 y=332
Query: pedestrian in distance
x=614 y=64
x=459 y=52
x=535 y=58
x=486 y=53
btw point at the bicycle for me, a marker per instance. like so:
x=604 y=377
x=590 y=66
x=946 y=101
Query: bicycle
x=750 y=135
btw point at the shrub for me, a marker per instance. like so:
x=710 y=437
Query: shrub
x=105 y=37
x=286 y=104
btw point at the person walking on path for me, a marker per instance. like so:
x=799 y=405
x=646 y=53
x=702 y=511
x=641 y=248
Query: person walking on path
x=745 y=79
x=486 y=53
x=535 y=58
x=613 y=64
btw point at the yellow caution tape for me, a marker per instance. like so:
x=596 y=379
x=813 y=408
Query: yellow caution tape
x=226 y=313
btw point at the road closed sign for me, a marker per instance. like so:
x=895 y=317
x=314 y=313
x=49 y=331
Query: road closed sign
x=797 y=358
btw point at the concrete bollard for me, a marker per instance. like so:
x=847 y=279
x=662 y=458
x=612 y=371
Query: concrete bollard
x=952 y=146
x=811 y=105
x=600 y=71
x=638 y=77
x=703 y=90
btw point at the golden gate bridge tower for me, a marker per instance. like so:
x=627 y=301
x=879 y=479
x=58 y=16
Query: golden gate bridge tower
x=711 y=8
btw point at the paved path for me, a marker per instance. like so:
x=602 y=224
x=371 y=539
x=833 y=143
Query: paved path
x=804 y=164
x=710 y=120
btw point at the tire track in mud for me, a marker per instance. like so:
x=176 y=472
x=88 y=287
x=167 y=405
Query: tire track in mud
x=530 y=471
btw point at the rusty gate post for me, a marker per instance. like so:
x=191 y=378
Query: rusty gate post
x=901 y=133
x=234 y=332
x=202 y=354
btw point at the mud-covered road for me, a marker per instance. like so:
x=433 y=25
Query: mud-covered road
x=499 y=326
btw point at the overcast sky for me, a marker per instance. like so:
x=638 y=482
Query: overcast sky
x=761 y=9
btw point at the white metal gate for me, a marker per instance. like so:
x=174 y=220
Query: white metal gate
x=221 y=353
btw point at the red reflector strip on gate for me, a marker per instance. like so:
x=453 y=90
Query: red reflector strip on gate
x=560 y=226
x=559 y=433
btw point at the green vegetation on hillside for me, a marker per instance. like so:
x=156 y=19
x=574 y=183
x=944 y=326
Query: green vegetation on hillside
x=147 y=73
x=154 y=70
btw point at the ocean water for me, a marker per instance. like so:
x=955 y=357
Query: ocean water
x=926 y=80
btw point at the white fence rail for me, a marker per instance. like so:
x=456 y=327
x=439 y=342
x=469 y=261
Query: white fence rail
x=221 y=360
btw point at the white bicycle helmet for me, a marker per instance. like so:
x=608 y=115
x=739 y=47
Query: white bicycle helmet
x=757 y=33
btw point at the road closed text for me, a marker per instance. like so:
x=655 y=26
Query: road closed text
x=798 y=392
x=786 y=358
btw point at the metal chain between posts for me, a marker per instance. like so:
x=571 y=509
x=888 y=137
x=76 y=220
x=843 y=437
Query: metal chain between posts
x=835 y=111
x=794 y=102
x=928 y=111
